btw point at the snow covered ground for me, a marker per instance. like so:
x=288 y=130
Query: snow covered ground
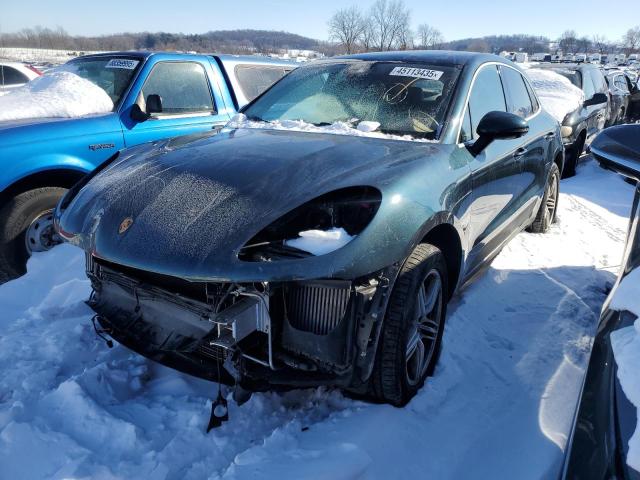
x=499 y=406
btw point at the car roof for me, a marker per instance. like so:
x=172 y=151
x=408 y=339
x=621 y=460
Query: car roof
x=436 y=57
x=566 y=65
x=144 y=54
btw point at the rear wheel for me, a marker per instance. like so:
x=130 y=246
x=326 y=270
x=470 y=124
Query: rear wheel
x=549 y=207
x=413 y=326
x=26 y=226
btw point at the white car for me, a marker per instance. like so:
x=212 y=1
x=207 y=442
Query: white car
x=15 y=74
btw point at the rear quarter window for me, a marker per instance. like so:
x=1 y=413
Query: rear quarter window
x=255 y=79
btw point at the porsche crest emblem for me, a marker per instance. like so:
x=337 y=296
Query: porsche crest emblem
x=124 y=225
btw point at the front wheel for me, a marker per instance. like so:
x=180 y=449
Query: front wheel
x=413 y=326
x=26 y=226
x=549 y=207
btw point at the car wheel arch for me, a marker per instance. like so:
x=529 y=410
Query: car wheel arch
x=441 y=233
x=57 y=177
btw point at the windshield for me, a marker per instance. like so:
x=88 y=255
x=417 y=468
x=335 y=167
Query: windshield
x=112 y=74
x=574 y=76
x=404 y=99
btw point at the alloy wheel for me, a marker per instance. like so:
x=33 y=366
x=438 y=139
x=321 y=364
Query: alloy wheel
x=422 y=338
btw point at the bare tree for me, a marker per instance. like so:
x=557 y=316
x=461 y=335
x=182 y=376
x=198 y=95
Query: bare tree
x=631 y=40
x=600 y=43
x=347 y=26
x=390 y=23
x=583 y=44
x=568 y=41
x=429 y=37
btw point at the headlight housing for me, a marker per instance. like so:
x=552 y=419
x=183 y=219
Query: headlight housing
x=350 y=209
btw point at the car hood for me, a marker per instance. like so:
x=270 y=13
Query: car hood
x=193 y=202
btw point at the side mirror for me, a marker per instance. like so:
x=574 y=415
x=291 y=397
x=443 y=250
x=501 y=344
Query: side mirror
x=498 y=126
x=597 y=99
x=138 y=114
x=154 y=104
x=618 y=149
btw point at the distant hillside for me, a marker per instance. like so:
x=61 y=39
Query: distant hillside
x=227 y=41
x=499 y=43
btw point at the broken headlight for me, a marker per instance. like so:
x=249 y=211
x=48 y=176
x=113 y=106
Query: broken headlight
x=317 y=227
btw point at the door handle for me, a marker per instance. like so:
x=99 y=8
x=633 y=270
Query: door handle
x=216 y=128
x=549 y=136
x=519 y=153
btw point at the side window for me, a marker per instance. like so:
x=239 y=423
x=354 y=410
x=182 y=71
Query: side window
x=255 y=79
x=599 y=84
x=587 y=86
x=11 y=76
x=486 y=96
x=182 y=86
x=518 y=99
x=532 y=97
x=621 y=83
x=466 y=133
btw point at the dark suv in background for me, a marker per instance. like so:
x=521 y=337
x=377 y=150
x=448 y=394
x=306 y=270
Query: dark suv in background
x=585 y=122
x=625 y=98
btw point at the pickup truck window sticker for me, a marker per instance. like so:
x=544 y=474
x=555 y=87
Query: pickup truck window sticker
x=125 y=63
x=416 y=73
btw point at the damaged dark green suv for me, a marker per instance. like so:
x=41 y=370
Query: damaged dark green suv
x=318 y=238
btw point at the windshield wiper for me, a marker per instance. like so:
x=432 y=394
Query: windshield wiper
x=255 y=118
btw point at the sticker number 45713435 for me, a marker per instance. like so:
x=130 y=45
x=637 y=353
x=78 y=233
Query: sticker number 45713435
x=416 y=73
x=122 y=63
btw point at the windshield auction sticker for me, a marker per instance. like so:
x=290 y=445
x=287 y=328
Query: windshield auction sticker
x=416 y=73
x=122 y=63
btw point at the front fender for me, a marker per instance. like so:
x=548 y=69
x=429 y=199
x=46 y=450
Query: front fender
x=18 y=170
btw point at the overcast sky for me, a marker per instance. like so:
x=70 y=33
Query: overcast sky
x=455 y=19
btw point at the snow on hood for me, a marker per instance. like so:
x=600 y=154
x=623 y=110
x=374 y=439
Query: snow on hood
x=626 y=295
x=363 y=129
x=56 y=94
x=320 y=242
x=557 y=94
x=626 y=350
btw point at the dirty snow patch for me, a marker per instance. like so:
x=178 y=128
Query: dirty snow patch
x=556 y=93
x=626 y=349
x=337 y=128
x=320 y=242
x=57 y=94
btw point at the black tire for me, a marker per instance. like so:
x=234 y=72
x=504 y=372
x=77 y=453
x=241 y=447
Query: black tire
x=15 y=217
x=572 y=155
x=390 y=378
x=546 y=215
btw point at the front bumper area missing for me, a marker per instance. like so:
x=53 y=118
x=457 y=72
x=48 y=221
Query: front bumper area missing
x=259 y=335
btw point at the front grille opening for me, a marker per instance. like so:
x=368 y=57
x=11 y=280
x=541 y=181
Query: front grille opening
x=316 y=307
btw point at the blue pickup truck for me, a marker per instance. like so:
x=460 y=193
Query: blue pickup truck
x=155 y=96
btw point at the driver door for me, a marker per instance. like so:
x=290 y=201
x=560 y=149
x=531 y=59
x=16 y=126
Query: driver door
x=187 y=103
x=496 y=172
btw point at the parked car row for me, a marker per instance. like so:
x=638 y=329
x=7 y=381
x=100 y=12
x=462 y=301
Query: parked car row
x=611 y=97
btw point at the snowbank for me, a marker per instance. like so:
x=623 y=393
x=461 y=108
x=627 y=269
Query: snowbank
x=626 y=349
x=320 y=242
x=363 y=129
x=557 y=94
x=56 y=94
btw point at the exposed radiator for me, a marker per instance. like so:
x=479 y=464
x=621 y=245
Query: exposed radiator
x=317 y=307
